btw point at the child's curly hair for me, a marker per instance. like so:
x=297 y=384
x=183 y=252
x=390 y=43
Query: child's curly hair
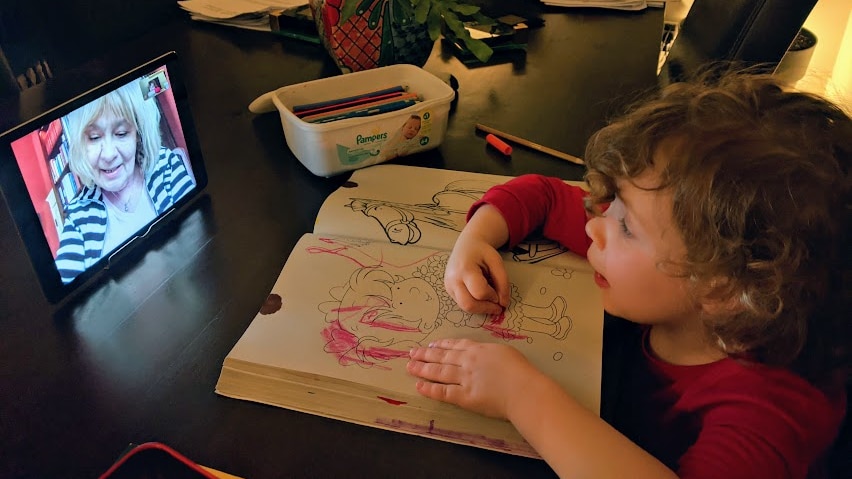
x=760 y=184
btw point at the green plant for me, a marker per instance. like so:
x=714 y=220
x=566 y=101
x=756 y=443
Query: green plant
x=436 y=15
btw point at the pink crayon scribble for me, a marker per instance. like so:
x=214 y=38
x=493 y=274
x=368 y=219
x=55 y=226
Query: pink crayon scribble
x=340 y=342
x=335 y=251
x=480 y=440
x=358 y=255
x=343 y=344
x=498 y=330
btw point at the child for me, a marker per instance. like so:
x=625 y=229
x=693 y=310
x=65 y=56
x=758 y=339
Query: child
x=720 y=220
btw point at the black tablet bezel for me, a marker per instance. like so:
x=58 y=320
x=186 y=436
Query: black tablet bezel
x=24 y=213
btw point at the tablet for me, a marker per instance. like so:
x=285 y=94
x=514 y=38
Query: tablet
x=89 y=180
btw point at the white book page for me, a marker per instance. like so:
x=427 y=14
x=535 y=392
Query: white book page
x=351 y=309
x=427 y=207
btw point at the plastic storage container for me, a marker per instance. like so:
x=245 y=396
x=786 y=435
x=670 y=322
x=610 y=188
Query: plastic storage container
x=327 y=149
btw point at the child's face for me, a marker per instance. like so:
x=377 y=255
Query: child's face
x=630 y=241
x=111 y=151
x=410 y=128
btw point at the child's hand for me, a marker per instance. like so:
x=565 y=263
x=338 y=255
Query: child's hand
x=482 y=377
x=475 y=276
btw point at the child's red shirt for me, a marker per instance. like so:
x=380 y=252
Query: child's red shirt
x=726 y=419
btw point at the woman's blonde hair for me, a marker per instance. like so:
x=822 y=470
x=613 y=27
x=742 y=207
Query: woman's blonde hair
x=760 y=184
x=126 y=102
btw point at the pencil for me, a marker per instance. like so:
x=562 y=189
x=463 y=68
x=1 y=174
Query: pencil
x=530 y=144
x=341 y=106
x=337 y=101
x=368 y=111
x=318 y=117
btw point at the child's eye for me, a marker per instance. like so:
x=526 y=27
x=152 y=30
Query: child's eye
x=121 y=134
x=624 y=229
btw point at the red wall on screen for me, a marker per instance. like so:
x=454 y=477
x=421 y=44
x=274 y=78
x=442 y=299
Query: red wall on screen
x=33 y=165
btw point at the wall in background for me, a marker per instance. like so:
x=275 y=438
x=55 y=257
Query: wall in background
x=830 y=70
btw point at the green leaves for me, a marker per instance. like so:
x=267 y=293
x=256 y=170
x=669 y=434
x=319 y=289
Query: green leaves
x=421 y=10
x=460 y=9
x=435 y=14
x=350 y=7
x=453 y=16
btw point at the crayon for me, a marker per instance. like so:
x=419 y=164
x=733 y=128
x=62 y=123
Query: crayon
x=531 y=144
x=501 y=146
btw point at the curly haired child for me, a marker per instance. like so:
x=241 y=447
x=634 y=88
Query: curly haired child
x=719 y=222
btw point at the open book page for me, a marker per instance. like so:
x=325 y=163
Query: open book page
x=409 y=205
x=351 y=309
x=356 y=295
x=333 y=338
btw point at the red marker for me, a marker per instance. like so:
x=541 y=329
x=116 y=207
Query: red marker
x=501 y=145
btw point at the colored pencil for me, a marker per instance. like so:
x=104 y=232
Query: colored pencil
x=374 y=110
x=530 y=144
x=381 y=101
x=338 y=101
x=322 y=116
x=348 y=104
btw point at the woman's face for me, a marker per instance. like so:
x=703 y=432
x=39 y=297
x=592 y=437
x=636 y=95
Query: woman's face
x=111 y=151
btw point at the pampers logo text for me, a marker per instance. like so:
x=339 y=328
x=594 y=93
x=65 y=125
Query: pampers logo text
x=360 y=140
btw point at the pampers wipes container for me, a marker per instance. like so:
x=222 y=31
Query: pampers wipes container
x=327 y=149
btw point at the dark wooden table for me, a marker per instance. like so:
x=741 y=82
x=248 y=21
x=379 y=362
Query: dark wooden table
x=136 y=358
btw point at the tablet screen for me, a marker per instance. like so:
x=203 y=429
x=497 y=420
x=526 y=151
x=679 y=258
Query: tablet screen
x=101 y=170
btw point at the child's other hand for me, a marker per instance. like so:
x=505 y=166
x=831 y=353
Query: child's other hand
x=475 y=276
x=483 y=377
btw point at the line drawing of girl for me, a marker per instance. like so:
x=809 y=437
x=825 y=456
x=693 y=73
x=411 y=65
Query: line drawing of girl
x=447 y=209
x=401 y=222
x=382 y=311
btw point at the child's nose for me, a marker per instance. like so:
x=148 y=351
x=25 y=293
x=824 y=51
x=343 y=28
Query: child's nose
x=596 y=231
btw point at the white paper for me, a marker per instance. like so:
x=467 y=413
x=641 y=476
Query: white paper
x=231 y=9
x=610 y=4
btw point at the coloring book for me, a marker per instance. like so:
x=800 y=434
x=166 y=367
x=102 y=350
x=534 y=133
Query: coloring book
x=358 y=293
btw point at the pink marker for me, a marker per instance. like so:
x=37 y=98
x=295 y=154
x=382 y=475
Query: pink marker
x=501 y=145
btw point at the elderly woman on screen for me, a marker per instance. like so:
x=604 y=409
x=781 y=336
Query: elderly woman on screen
x=128 y=177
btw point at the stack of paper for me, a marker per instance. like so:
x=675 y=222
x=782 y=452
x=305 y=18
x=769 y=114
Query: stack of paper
x=612 y=4
x=250 y=14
